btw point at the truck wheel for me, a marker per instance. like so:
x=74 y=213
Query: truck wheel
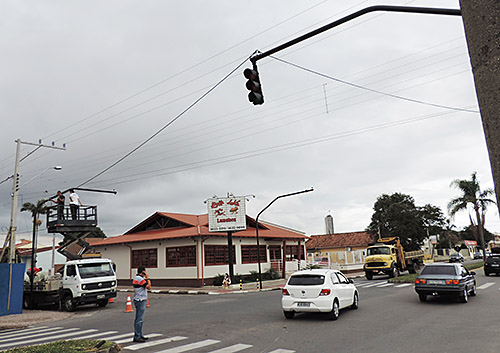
x=394 y=272
x=68 y=303
x=26 y=301
x=413 y=268
x=102 y=303
x=369 y=276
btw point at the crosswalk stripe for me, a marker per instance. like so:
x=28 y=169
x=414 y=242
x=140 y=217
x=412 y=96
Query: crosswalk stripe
x=47 y=338
x=4 y=333
x=129 y=337
x=486 y=285
x=95 y=335
x=282 y=351
x=155 y=343
x=233 y=348
x=403 y=285
x=29 y=331
x=189 y=347
x=375 y=284
x=385 y=285
x=37 y=335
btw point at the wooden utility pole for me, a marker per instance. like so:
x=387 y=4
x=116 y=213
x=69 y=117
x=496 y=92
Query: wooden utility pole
x=482 y=29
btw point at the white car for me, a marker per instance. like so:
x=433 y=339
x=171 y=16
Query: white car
x=318 y=290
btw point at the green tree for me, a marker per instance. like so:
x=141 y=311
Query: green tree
x=397 y=215
x=39 y=208
x=97 y=233
x=471 y=194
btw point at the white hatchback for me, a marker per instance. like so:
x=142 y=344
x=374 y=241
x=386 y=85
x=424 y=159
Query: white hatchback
x=318 y=290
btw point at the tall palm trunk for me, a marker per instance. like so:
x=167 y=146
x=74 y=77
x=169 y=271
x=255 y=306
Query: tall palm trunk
x=480 y=229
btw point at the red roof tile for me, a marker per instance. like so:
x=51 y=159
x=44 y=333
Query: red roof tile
x=194 y=225
x=339 y=240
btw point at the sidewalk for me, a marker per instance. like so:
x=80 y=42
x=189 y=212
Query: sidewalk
x=234 y=288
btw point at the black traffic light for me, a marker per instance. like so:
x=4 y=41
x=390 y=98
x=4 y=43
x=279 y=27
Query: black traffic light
x=253 y=85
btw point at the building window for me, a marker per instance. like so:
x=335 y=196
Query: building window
x=292 y=253
x=146 y=258
x=218 y=255
x=181 y=256
x=249 y=254
x=275 y=252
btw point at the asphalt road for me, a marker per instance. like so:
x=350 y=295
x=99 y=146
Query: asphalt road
x=390 y=319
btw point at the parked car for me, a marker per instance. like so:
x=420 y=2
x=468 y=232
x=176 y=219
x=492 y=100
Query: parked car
x=318 y=291
x=456 y=257
x=492 y=264
x=445 y=279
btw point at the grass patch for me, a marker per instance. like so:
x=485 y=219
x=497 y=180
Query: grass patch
x=73 y=346
x=411 y=277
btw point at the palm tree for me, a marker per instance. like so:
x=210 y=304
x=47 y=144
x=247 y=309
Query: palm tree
x=39 y=208
x=472 y=194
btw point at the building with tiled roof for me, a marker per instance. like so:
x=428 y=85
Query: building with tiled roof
x=179 y=250
x=339 y=248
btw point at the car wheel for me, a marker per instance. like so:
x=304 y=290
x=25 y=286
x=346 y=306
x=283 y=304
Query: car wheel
x=422 y=297
x=334 y=314
x=369 y=276
x=473 y=291
x=464 y=297
x=486 y=273
x=289 y=314
x=355 y=301
x=68 y=303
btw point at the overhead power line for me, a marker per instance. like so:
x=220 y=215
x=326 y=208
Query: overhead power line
x=373 y=90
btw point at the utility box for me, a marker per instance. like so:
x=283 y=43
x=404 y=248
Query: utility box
x=11 y=288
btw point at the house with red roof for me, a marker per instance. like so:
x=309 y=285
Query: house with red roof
x=178 y=250
x=339 y=248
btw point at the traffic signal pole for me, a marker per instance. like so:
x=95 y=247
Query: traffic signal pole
x=387 y=8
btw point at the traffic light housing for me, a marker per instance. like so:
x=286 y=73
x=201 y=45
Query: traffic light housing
x=253 y=85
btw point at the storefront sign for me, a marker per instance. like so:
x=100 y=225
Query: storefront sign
x=226 y=214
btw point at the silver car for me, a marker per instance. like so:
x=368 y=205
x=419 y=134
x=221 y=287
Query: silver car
x=318 y=290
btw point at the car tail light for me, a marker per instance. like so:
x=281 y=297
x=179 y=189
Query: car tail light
x=452 y=281
x=285 y=291
x=325 y=291
x=420 y=281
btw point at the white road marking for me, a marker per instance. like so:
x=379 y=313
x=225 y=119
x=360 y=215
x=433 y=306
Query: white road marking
x=48 y=338
x=135 y=347
x=29 y=335
x=282 y=351
x=404 y=285
x=95 y=335
x=233 y=348
x=189 y=347
x=385 y=285
x=486 y=285
x=375 y=284
x=28 y=330
x=130 y=336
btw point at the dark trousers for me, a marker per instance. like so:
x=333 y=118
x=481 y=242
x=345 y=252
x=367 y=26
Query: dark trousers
x=60 y=212
x=74 y=211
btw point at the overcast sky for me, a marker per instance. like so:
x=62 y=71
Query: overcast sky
x=394 y=109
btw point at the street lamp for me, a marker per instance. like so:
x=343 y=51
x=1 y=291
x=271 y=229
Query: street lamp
x=57 y=167
x=257 y=227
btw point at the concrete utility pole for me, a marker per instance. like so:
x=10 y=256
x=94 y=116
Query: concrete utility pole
x=11 y=235
x=482 y=29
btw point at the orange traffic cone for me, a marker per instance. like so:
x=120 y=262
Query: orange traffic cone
x=147 y=302
x=110 y=300
x=129 y=306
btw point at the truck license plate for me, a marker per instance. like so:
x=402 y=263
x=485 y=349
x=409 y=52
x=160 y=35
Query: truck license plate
x=304 y=304
x=101 y=296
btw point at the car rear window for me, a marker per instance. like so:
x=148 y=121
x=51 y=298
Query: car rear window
x=492 y=260
x=306 y=280
x=439 y=270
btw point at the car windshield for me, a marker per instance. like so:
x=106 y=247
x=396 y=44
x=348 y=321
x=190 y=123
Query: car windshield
x=381 y=250
x=95 y=270
x=306 y=280
x=439 y=270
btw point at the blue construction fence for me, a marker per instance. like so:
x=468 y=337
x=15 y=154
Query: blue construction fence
x=11 y=288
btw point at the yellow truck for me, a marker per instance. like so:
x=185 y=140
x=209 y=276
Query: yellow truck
x=388 y=257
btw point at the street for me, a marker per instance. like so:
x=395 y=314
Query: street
x=390 y=319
